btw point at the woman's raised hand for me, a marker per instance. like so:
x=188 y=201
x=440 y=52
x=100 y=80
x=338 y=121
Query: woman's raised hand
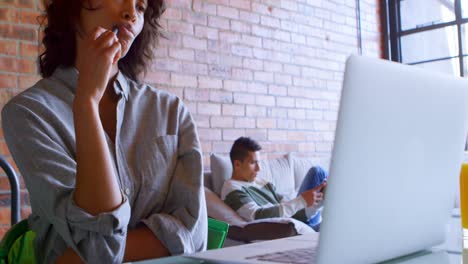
x=99 y=51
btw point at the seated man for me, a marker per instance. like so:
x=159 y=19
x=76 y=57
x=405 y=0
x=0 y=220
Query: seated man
x=254 y=198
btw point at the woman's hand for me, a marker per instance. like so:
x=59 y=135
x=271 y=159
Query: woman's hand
x=98 y=52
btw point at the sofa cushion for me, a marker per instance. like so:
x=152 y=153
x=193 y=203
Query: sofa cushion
x=217 y=209
x=221 y=170
x=279 y=172
x=301 y=166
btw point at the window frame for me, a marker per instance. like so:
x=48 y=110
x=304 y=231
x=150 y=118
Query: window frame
x=392 y=33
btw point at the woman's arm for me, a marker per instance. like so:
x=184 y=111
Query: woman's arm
x=141 y=244
x=97 y=189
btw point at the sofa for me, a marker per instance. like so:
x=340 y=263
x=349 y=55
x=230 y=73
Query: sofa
x=286 y=173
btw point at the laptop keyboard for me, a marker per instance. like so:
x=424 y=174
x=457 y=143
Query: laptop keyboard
x=294 y=256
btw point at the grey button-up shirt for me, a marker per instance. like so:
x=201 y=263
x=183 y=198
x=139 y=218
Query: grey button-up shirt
x=157 y=157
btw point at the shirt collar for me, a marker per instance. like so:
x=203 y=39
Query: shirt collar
x=69 y=76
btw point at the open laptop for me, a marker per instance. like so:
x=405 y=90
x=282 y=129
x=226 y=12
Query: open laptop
x=395 y=164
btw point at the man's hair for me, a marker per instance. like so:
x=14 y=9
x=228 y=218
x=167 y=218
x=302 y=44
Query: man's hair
x=241 y=148
x=60 y=25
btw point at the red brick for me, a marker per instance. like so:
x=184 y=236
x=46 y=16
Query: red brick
x=261 y=8
x=262 y=31
x=222 y=122
x=218 y=22
x=276 y=112
x=194 y=68
x=7 y=81
x=179 y=3
x=255 y=111
x=5 y=215
x=270 y=66
x=258 y=88
x=281 y=13
x=228 y=12
x=236 y=86
x=252 y=64
x=197 y=95
x=29 y=50
x=242 y=74
x=8 y=14
x=168 y=65
x=252 y=41
x=194 y=43
x=296 y=113
x=8 y=47
x=243 y=98
x=180 y=27
x=26 y=81
x=244 y=122
x=17 y=65
x=25 y=211
x=219 y=71
x=26 y=3
x=158 y=77
x=270 y=22
x=195 y=18
x=209 y=109
x=4 y=183
x=304 y=103
x=266 y=100
x=203 y=7
x=218 y=2
x=277 y=135
x=206 y=32
x=297 y=136
x=306 y=147
x=257 y=134
x=183 y=80
x=233 y=134
x=263 y=76
x=305 y=124
x=221 y=97
x=283 y=79
x=209 y=134
x=230 y=37
x=202 y=121
x=249 y=17
x=266 y=123
x=233 y=110
x=277 y=90
x=241 y=4
x=182 y=54
x=324 y=147
x=18 y=32
x=241 y=27
x=172 y=13
x=29 y=17
x=286 y=124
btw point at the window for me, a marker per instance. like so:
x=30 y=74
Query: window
x=431 y=34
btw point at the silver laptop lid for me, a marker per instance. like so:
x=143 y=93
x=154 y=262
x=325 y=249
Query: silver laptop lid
x=396 y=160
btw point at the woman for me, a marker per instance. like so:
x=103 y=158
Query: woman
x=113 y=167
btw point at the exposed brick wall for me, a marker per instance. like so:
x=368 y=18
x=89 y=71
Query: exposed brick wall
x=269 y=69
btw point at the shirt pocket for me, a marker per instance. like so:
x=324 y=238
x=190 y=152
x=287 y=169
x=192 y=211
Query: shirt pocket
x=157 y=173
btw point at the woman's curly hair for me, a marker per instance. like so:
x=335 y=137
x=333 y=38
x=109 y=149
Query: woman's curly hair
x=60 y=24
